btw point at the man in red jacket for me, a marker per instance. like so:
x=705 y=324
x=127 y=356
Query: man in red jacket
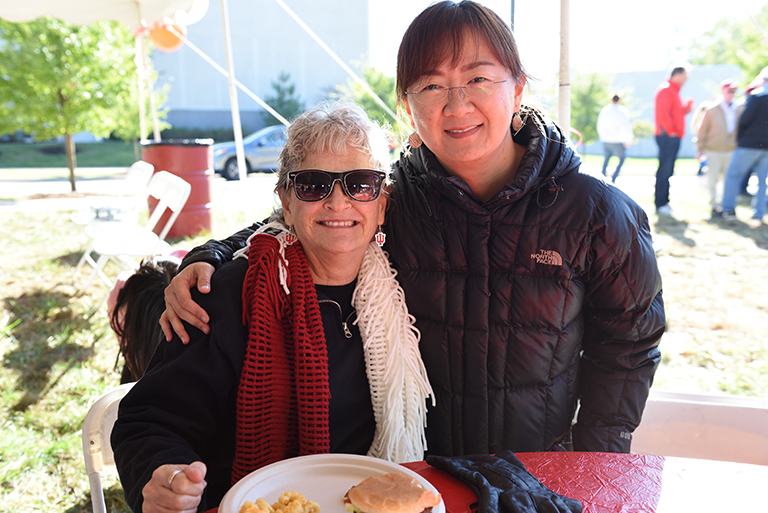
x=670 y=127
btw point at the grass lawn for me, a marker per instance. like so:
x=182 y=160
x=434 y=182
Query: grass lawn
x=52 y=155
x=59 y=353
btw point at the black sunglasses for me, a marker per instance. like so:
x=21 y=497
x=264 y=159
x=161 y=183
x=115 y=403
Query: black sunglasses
x=316 y=185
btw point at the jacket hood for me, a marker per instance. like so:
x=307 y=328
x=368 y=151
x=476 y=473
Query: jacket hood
x=548 y=156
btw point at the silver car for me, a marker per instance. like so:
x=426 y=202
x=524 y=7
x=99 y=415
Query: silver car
x=262 y=150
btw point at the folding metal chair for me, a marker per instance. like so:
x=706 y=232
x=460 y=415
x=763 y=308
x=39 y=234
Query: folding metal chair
x=125 y=242
x=97 y=450
x=125 y=204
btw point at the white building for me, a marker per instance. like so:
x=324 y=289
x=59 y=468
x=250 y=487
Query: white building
x=266 y=41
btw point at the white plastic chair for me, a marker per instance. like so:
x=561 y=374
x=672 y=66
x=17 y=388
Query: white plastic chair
x=713 y=427
x=125 y=204
x=97 y=449
x=124 y=242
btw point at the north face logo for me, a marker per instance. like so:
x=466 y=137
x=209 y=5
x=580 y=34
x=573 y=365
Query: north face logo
x=548 y=257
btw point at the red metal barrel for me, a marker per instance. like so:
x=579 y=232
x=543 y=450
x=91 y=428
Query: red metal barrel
x=192 y=160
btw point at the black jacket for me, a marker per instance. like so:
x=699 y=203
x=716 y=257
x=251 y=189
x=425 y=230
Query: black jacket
x=753 y=123
x=545 y=295
x=184 y=408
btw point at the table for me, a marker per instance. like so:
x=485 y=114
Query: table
x=629 y=483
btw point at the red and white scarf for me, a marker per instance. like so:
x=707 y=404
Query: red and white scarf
x=282 y=401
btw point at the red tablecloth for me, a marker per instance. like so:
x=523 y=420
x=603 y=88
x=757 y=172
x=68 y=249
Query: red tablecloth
x=629 y=483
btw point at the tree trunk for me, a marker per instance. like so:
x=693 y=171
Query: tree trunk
x=136 y=150
x=69 y=145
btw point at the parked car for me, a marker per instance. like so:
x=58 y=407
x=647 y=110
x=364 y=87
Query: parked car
x=262 y=150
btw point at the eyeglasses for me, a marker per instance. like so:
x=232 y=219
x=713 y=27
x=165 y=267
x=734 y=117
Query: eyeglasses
x=475 y=88
x=316 y=185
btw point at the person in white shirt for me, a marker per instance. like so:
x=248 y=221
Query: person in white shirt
x=615 y=131
x=716 y=138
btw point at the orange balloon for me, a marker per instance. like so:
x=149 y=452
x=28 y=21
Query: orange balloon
x=164 y=40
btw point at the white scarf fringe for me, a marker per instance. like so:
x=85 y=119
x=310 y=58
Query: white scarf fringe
x=278 y=230
x=396 y=373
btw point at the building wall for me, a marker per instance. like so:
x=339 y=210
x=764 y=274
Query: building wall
x=265 y=42
x=640 y=88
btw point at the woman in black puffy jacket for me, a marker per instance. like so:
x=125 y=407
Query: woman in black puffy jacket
x=534 y=285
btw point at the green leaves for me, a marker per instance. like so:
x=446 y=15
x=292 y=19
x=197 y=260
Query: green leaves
x=382 y=85
x=589 y=93
x=735 y=42
x=58 y=79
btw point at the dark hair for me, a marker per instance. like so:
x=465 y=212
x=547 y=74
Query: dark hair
x=436 y=35
x=616 y=98
x=677 y=70
x=135 y=318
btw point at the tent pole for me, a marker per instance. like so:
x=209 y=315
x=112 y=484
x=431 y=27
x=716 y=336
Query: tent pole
x=564 y=92
x=148 y=71
x=241 y=167
x=141 y=69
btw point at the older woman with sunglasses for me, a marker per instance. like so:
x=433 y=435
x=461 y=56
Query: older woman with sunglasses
x=309 y=336
x=535 y=285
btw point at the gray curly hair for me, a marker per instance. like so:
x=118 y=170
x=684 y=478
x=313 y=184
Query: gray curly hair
x=333 y=127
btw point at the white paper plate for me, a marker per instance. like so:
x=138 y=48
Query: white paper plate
x=322 y=478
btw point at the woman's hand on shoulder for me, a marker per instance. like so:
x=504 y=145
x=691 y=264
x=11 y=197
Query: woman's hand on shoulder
x=179 y=304
x=175 y=488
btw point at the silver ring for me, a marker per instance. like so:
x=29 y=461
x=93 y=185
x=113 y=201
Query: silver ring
x=170 y=478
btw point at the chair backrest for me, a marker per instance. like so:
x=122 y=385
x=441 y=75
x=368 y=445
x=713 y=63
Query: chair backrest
x=97 y=450
x=123 y=206
x=714 y=427
x=137 y=178
x=172 y=193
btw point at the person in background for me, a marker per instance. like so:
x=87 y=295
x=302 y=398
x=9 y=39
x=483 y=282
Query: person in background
x=716 y=139
x=615 y=131
x=670 y=114
x=311 y=348
x=755 y=84
x=696 y=118
x=751 y=153
x=535 y=285
x=134 y=307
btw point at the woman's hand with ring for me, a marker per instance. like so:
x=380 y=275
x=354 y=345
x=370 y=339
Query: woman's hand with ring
x=175 y=488
x=170 y=478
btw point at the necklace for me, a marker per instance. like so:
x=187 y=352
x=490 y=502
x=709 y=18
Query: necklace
x=344 y=322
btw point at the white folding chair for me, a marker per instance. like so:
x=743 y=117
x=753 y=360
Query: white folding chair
x=122 y=208
x=125 y=242
x=97 y=449
x=125 y=204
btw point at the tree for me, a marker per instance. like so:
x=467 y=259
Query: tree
x=590 y=92
x=285 y=101
x=744 y=43
x=382 y=85
x=58 y=79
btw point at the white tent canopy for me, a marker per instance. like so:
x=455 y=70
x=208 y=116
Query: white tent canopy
x=83 y=12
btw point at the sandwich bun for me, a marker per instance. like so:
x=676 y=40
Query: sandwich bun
x=390 y=493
